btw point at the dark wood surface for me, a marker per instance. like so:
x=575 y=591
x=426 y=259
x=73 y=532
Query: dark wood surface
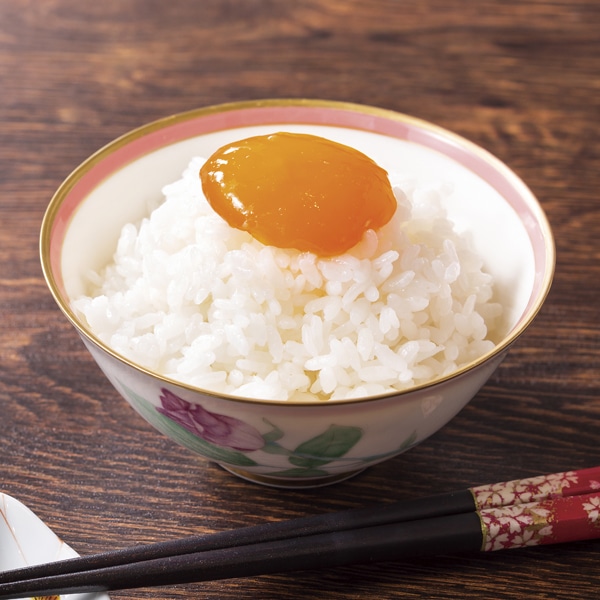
x=521 y=78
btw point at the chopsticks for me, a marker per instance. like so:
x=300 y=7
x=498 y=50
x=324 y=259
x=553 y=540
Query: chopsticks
x=548 y=509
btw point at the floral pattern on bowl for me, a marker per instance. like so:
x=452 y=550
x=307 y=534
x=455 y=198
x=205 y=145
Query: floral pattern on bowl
x=26 y=540
x=236 y=444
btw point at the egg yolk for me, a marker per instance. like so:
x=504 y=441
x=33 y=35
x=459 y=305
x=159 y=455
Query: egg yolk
x=298 y=191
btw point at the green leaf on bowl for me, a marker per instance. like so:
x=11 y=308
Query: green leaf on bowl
x=329 y=445
x=274 y=435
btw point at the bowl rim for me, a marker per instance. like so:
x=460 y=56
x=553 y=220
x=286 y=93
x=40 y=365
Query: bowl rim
x=445 y=136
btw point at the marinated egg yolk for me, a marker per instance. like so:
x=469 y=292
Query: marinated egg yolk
x=298 y=191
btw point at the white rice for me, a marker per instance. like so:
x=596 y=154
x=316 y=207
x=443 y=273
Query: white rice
x=209 y=306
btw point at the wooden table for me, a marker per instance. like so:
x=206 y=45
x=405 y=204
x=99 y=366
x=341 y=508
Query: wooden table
x=520 y=78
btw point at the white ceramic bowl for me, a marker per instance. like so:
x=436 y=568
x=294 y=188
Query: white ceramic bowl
x=297 y=444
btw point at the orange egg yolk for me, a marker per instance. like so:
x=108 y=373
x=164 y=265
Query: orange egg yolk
x=298 y=191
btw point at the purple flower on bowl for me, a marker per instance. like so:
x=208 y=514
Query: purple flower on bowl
x=221 y=430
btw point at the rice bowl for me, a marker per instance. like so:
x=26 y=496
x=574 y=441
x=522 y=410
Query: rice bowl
x=337 y=406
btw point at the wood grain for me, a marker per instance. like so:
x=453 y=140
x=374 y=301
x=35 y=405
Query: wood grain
x=521 y=78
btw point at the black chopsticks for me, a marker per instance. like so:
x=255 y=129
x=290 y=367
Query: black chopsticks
x=546 y=509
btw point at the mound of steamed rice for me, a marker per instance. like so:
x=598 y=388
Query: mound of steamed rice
x=202 y=303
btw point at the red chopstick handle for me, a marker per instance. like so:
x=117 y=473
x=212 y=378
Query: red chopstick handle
x=551 y=521
x=533 y=489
